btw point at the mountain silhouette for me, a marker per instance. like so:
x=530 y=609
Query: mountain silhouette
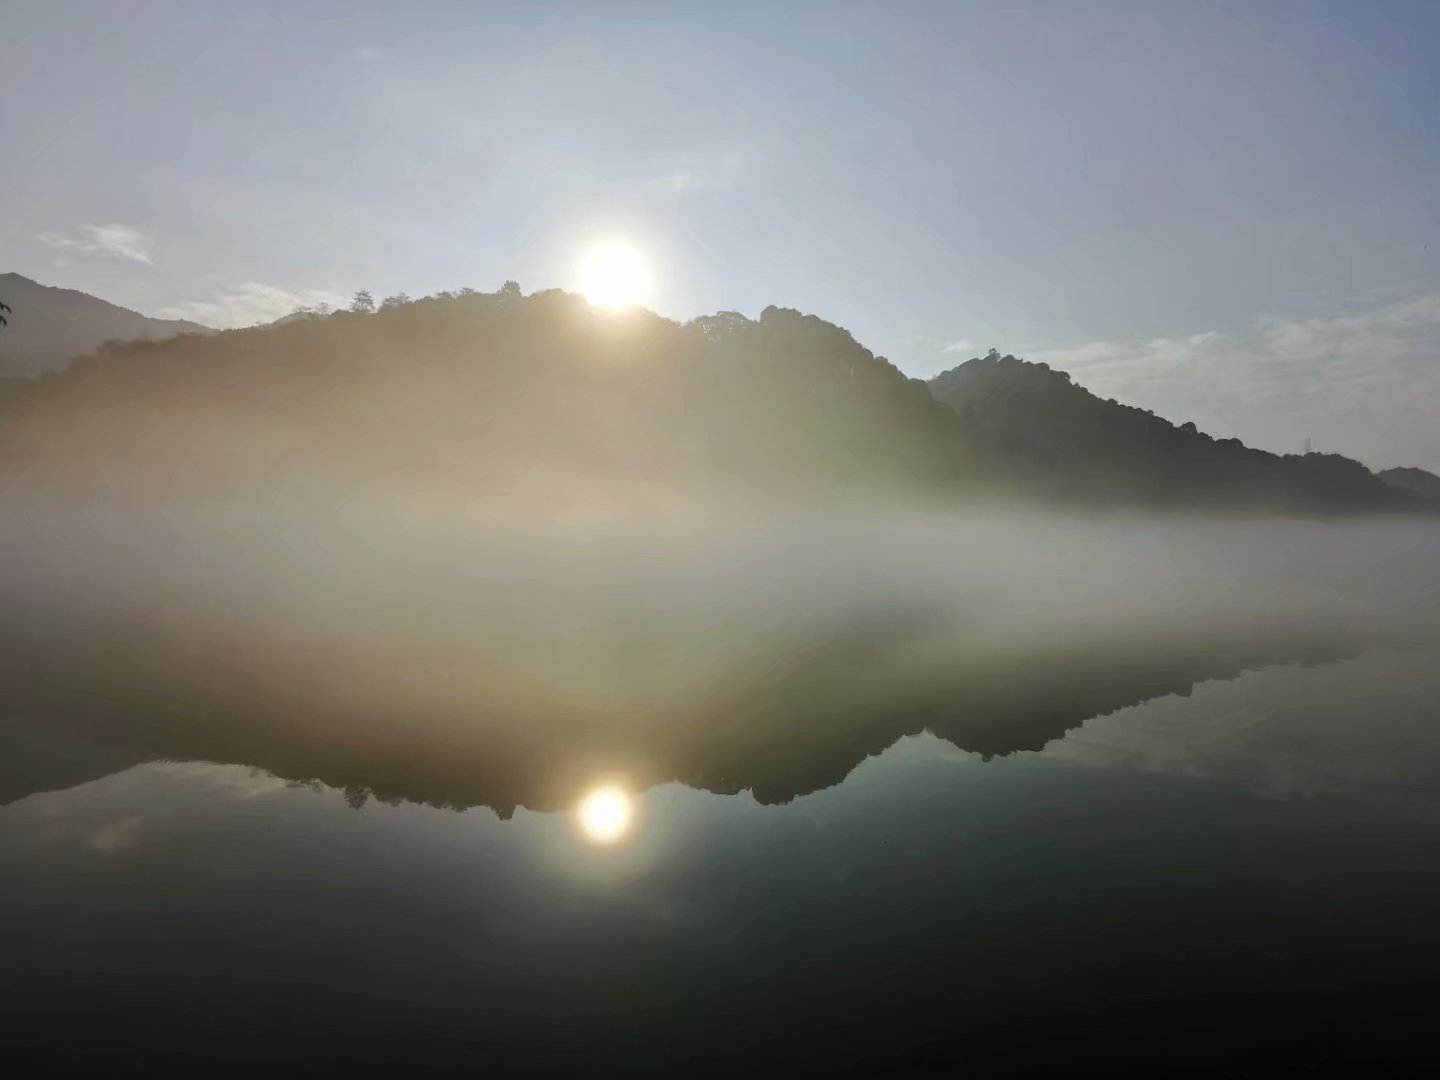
x=1416 y=481
x=552 y=403
x=49 y=327
x=1043 y=433
x=542 y=398
x=798 y=723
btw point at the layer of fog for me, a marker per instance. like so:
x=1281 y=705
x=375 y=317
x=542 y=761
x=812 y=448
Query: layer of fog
x=617 y=614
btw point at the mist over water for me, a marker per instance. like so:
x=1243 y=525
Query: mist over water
x=456 y=572
x=902 y=772
x=635 y=540
x=649 y=644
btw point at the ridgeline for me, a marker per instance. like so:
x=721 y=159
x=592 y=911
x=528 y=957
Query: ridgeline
x=544 y=398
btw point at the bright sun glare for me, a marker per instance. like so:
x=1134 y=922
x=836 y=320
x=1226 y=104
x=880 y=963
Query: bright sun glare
x=615 y=275
x=605 y=814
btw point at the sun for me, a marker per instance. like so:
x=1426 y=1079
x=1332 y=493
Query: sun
x=604 y=814
x=615 y=275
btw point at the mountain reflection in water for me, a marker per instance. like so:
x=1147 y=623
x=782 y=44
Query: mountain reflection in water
x=803 y=726
x=924 y=830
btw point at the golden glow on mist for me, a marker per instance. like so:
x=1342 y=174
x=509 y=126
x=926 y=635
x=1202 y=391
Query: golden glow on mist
x=615 y=275
x=605 y=814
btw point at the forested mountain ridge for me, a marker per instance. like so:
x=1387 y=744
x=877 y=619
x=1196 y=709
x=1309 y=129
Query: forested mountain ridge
x=541 y=397
x=1047 y=435
x=547 y=399
x=1417 y=481
x=49 y=327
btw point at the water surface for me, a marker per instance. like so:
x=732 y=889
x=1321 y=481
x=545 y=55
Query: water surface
x=904 y=841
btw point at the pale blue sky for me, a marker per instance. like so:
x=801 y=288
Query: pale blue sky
x=1178 y=201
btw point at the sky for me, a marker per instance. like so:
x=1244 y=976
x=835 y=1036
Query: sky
x=1225 y=212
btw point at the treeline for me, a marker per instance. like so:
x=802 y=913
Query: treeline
x=540 y=396
x=1043 y=433
x=546 y=398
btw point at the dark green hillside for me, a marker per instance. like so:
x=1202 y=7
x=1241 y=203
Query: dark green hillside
x=1044 y=434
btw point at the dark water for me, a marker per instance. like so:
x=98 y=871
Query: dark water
x=1240 y=873
x=286 y=792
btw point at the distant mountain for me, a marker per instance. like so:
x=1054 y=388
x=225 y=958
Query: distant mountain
x=544 y=398
x=552 y=404
x=1039 y=432
x=49 y=327
x=1416 y=481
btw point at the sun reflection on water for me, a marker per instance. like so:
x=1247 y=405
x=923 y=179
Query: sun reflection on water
x=605 y=814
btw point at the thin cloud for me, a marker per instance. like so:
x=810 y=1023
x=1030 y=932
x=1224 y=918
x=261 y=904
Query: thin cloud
x=250 y=303
x=241 y=781
x=1282 y=732
x=964 y=345
x=121 y=241
x=1363 y=383
x=115 y=836
x=710 y=174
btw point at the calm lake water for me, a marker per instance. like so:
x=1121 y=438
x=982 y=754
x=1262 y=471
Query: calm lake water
x=1244 y=875
x=959 y=794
